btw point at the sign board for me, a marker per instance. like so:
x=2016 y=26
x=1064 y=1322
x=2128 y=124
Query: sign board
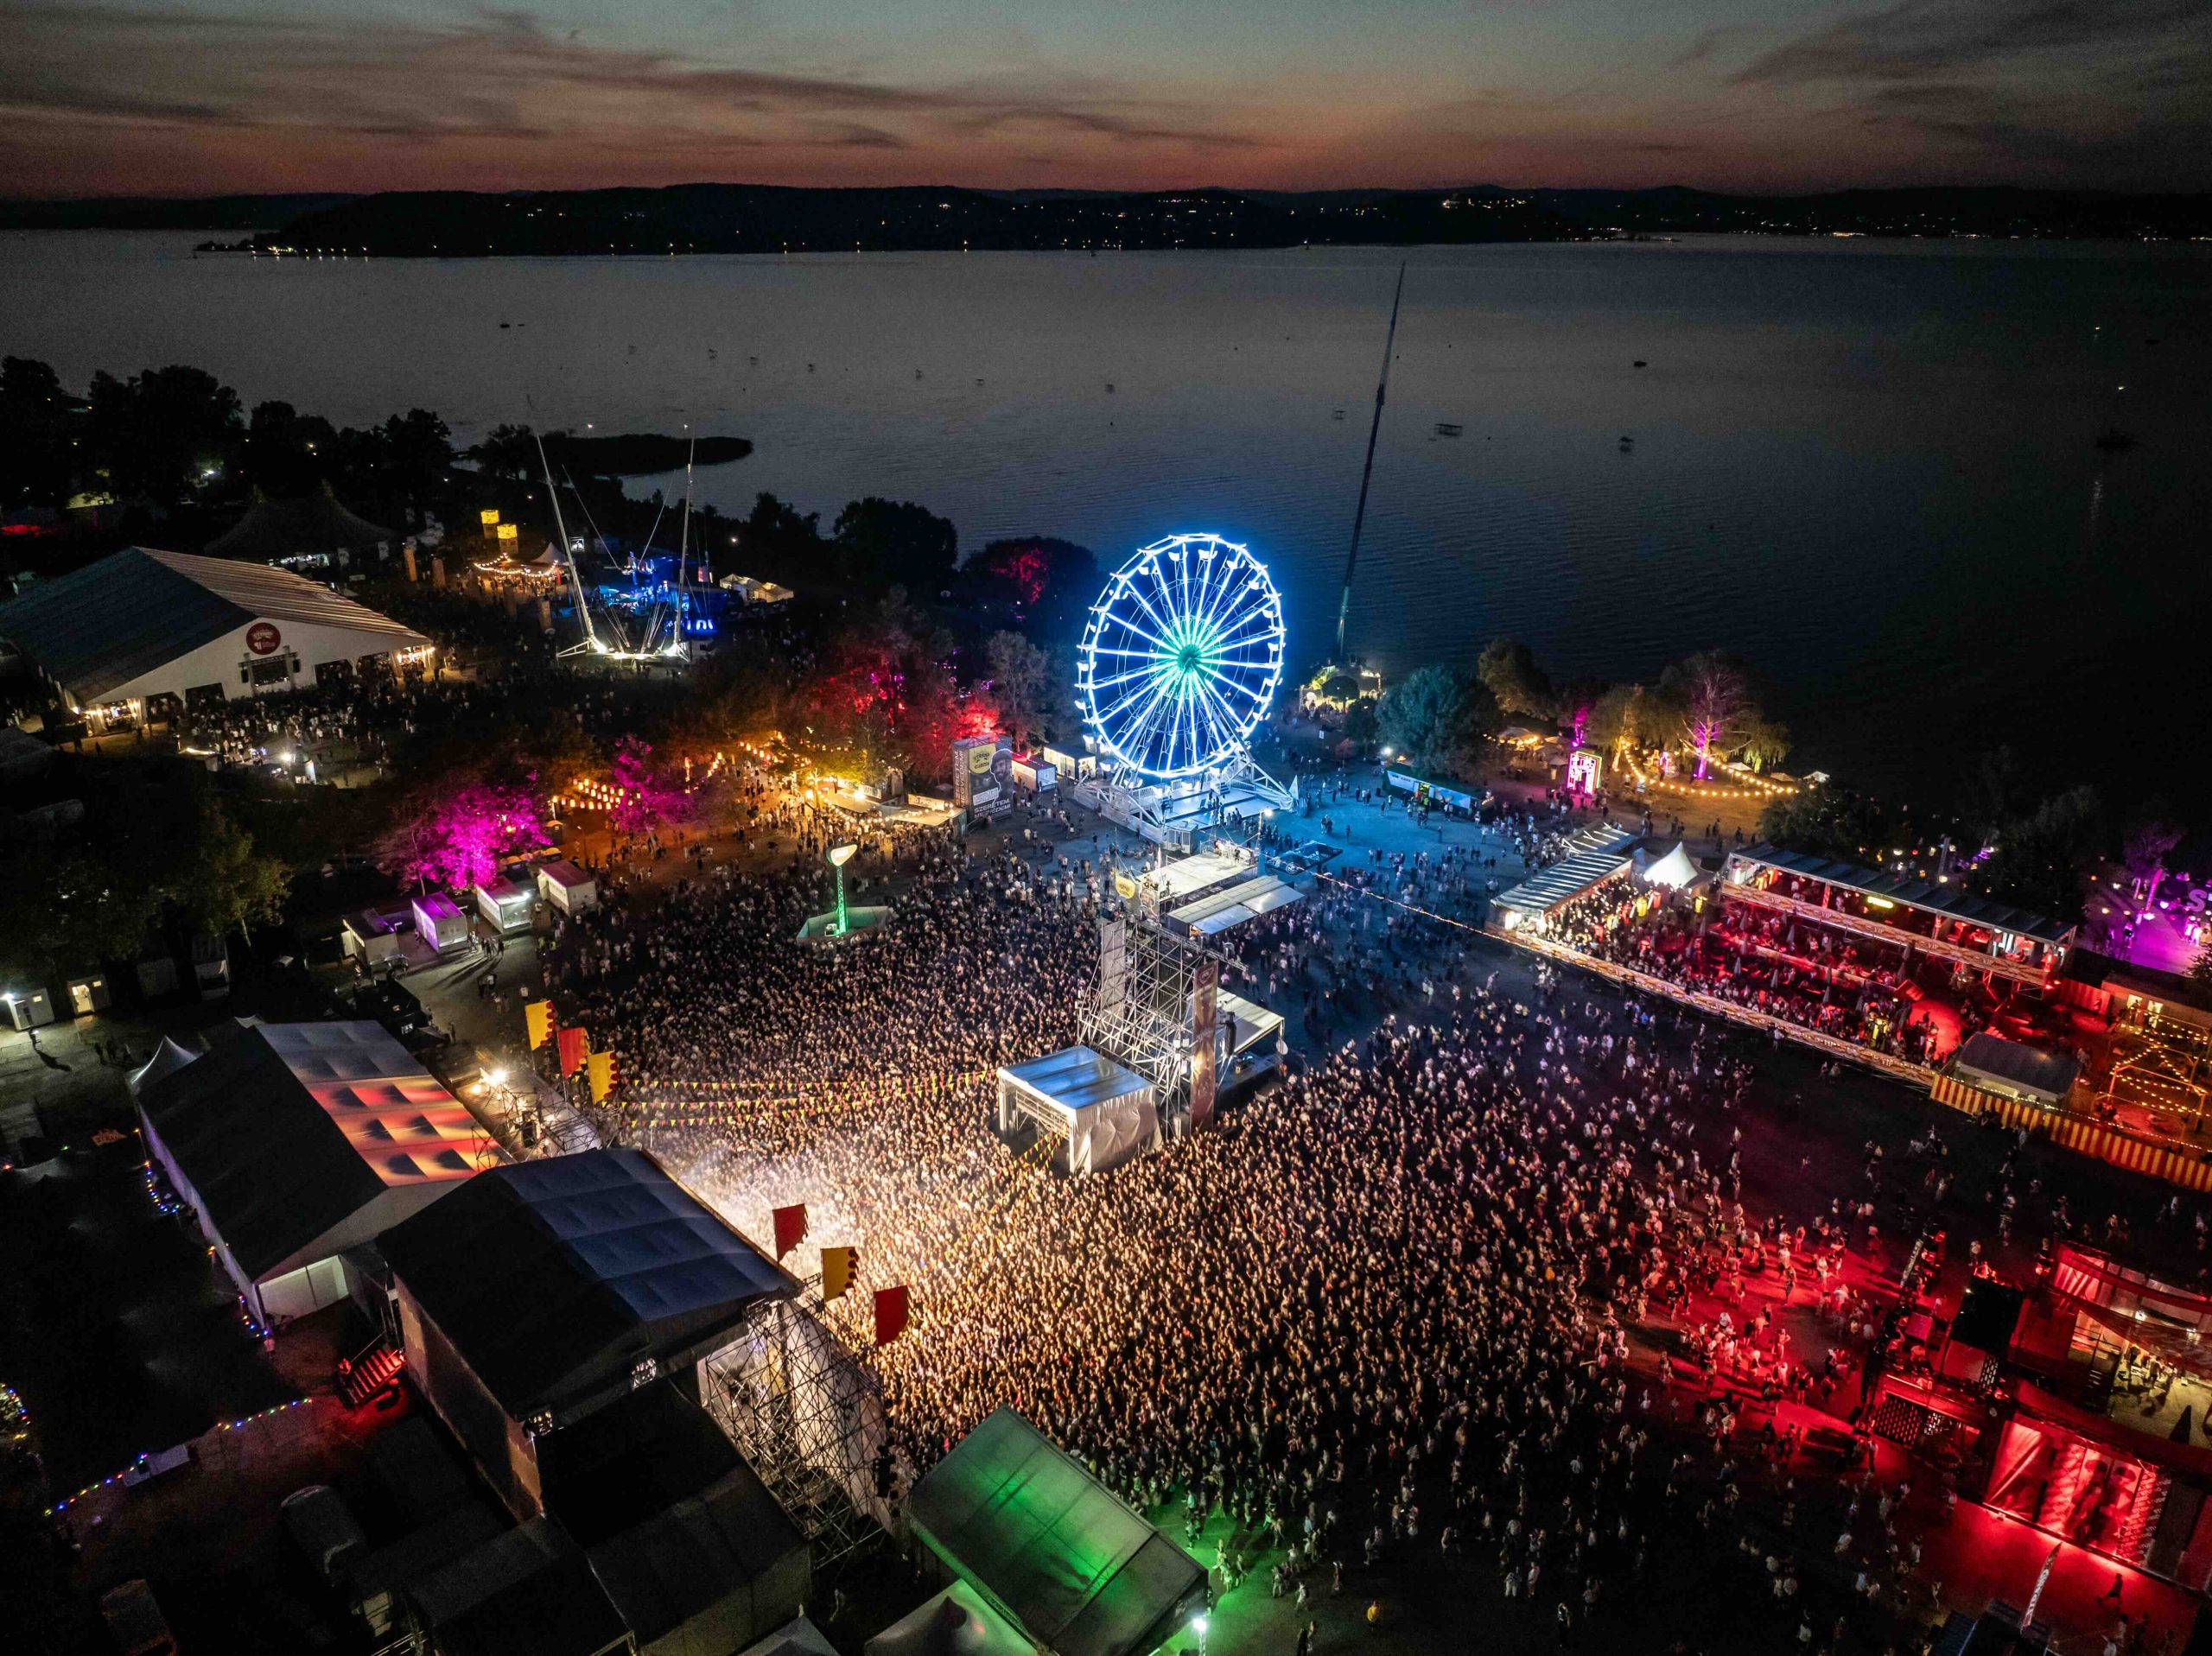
x=1113 y=963
x=262 y=638
x=1428 y=793
x=982 y=775
x=1205 y=1040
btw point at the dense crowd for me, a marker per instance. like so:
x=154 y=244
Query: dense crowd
x=1401 y=1305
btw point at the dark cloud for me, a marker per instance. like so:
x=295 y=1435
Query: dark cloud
x=475 y=77
x=1918 y=38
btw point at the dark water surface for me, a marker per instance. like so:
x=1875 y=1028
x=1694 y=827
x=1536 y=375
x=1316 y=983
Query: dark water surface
x=1870 y=467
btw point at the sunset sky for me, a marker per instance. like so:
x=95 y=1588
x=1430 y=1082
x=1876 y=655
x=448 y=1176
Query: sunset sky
x=204 y=96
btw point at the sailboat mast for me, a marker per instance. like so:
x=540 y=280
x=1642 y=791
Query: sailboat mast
x=1367 y=471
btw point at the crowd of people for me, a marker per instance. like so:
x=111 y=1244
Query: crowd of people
x=1424 y=1299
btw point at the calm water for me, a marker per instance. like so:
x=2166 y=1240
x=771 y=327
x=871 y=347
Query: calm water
x=1870 y=468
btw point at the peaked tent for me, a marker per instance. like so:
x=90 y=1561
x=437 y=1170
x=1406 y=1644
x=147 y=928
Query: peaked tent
x=312 y=525
x=1674 y=871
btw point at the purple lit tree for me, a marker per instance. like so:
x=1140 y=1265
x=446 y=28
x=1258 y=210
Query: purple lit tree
x=455 y=837
x=1709 y=695
x=646 y=798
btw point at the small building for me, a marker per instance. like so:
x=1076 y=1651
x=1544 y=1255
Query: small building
x=1074 y=766
x=556 y=1288
x=439 y=922
x=31 y=1008
x=142 y=632
x=1050 y=1548
x=1990 y=1064
x=504 y=905
x=88 y=994
x=1592 y=857
x=293 y=1142
x=1106 y=1112
x=394 y=1005
x=1033 y=773
x=566 y=886
x=369 y=938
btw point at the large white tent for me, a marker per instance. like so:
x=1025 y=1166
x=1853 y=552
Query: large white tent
x=1106 y=1112
x=1674 y=871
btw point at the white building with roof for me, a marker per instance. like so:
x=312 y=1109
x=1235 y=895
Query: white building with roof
x=142 y=629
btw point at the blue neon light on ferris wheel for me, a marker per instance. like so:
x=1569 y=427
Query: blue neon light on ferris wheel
x=1181 y=657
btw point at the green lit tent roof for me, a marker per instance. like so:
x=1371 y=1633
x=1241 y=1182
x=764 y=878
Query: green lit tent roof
x=1051 y=1547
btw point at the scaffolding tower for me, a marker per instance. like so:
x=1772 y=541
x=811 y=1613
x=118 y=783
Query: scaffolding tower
x=808 y=1418
x=1155 y=992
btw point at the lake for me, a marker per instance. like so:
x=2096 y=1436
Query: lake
x=1870 y=467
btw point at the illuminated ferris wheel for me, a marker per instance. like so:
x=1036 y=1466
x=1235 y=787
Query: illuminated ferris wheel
x=1181 y=658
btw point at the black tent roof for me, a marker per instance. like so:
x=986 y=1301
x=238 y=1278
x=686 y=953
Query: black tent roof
x=554 y=1280
x=1935 y=897
x=272 y=1168
x=287 y=529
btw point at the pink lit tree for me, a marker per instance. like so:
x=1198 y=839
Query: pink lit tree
x=454 y=836
x=646 y=798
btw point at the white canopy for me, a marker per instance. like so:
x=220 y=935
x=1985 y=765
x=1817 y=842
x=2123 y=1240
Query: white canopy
x=167 y=1059
x=1674 y=871
x=1107 y=1113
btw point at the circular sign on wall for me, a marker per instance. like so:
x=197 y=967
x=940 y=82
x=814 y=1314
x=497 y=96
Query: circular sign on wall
x=262 y=638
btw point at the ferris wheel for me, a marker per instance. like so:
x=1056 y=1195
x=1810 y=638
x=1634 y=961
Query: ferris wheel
x=1181 y=658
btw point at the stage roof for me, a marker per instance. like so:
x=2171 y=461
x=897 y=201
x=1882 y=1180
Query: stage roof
x=1950 y=900
x=1254 y=1023
x=1593 y=855
x=1049 y=1546
x=1075 y=1078
x=556 y=1278
x=1246 y=900
x=139 y=609
x=291 y=1129
x=704 y=1549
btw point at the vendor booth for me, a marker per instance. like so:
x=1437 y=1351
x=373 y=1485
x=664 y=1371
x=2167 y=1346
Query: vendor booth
x=1107 y=1113
x=566 y=886
x=369 y=938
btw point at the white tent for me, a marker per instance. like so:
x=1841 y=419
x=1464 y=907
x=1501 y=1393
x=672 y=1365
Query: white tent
x=1106 y=1112
x=957 y=1622
x=167 y=1059
x=1674 y=871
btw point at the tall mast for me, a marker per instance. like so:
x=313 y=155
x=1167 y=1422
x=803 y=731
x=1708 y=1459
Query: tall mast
x=1366 y=472
x=567 y=553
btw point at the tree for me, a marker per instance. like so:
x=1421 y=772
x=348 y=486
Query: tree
x=2143 y=850
x=896 y=543
x=37 y=465
x=1438 y=718
x=1829 y=821
x=648 y=798
x=228 y=886
x=418 y=458
x=1019 y=676
x=509 y=452
x=454 y=834
x=1622 y=717
x=2041 y=858
x=2199 y=969
x=1053 y=582
x=1765 y=744
x=165 y=433
x=1709 y=696
x=1507 y=670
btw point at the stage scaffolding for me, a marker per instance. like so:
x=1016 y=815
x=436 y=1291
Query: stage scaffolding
x=1150 y=986
x=808 y=1418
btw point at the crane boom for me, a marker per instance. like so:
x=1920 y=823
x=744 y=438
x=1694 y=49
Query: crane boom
x=1367 y=471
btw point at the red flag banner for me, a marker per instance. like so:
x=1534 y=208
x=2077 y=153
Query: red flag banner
x=890 y=1314
x=791 y=1228
x=575 y=1048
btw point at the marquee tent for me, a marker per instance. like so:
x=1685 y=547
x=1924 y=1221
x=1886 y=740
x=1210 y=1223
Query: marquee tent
x=1050 y=1548
x=311 y=528
x=295 y=1142
x=1106 y=1112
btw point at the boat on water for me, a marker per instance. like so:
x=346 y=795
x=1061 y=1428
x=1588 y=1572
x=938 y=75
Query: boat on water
x=1446 y=429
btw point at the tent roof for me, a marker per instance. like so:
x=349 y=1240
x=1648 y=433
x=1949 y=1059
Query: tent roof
x=958 y=1621
x=1593 y=855
x=139 y=609
x=286 y=529
x=528 y=1592
x=1675 y=869
x=2029 y=1068
x=1075 y=1078
x=696 y=1553
x=1943 y=898
x=1048 y=1545
x=796 y=1637
x=291 y=1129
x=554 y=1280
x=169 y=1058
